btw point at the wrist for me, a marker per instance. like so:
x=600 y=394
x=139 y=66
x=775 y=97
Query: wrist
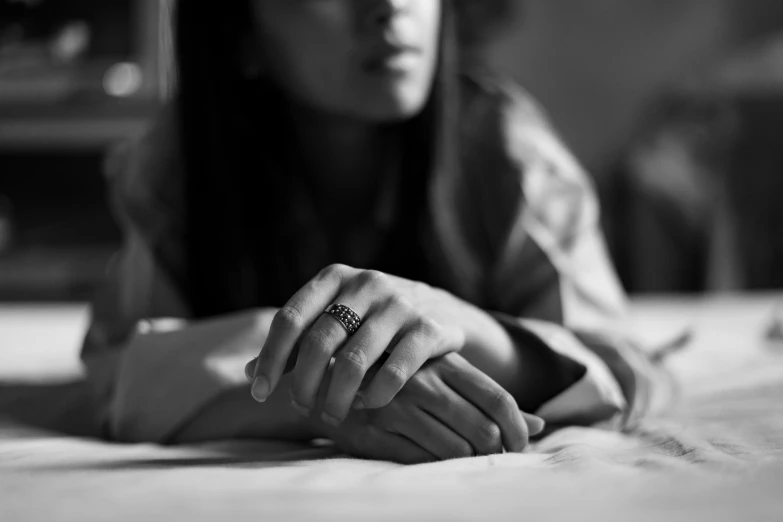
x=490 y=348
x=485 y=333
x=482 y=332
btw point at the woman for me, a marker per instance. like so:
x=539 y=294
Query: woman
x=313 y=137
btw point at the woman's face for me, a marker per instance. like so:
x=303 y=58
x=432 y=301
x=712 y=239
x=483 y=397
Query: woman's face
x=372 y=60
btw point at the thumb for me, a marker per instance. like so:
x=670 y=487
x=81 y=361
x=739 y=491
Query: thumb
x=535 y=424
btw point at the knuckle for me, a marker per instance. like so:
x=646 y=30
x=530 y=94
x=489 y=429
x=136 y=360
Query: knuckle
x=316 y=343
x=429 y=327
x=373 y=278
x=395 y=375
x=419 y=287
x=490 y=437
x=355 y=361
x=460 y=450
x=400 y=302
x=290 y=316
x=503 y=404
x=335 y=270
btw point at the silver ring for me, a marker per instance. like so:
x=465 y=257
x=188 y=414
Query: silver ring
x=347 y=317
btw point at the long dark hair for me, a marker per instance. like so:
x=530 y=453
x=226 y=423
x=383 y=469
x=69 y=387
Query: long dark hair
x=230 y=141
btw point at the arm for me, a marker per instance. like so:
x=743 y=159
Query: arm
x=519 y=237
x=528 y=250
x=234 y=414
x=520 y=363
x=175 y=379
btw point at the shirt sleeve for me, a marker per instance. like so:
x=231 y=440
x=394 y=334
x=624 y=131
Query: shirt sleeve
x=151 y=367
x=530 y=240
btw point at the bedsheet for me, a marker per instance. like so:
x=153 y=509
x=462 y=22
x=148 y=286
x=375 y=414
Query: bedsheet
x=713 y=451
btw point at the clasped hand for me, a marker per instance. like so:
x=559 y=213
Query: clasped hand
x=397 y=377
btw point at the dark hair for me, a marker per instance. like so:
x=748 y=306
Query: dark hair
x=230 y=188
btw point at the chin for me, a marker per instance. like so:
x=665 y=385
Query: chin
x=393 y=113
x=396 y=104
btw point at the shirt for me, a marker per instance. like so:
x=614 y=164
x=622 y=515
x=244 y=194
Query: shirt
x=519 y=221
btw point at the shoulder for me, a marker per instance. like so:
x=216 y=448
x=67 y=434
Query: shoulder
x=498 y=114
x=511 y=149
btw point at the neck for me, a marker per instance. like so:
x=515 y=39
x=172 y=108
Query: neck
x=342 y=158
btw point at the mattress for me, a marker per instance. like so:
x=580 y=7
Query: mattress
x=711 y=451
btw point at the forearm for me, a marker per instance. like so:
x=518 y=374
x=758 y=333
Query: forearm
x=489 y=347
x=235 y=415
x=522 y=370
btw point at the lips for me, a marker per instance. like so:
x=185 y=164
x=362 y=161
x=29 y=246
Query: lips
x=390 y=56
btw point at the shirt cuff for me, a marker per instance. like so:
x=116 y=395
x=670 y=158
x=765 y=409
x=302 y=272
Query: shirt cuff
x=172 y=369
x=594 y=397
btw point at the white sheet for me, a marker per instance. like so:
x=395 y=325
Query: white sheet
x=717 y=455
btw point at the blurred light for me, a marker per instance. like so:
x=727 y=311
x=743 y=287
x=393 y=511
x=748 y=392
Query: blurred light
x=122 y=80
x=71 y=42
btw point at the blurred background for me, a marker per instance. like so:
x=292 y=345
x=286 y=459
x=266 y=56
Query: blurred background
x=674 y=106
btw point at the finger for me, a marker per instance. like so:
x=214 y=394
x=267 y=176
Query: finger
x=358 y=355
x=410 y=353
x=326 y=337
x=328 y=334
x=465 y=419
x=298 y=314
x=397 y=448
x=535 y=424
x=486 y=394
x=316 y=349
x=432 y=435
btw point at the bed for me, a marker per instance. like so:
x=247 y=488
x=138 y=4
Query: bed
x=713 y=452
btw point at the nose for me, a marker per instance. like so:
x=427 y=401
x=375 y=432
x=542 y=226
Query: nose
x=382 y=12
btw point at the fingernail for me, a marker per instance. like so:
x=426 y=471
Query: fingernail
x=260 y=388
x=358 y=404
x=250 y=369
x=301 y=410
x=328 y=419
x=535 y=425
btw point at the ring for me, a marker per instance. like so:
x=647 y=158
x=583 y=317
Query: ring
x=347 y=317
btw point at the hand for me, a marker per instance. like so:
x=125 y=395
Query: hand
x=448 y=409
x=413 y=321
